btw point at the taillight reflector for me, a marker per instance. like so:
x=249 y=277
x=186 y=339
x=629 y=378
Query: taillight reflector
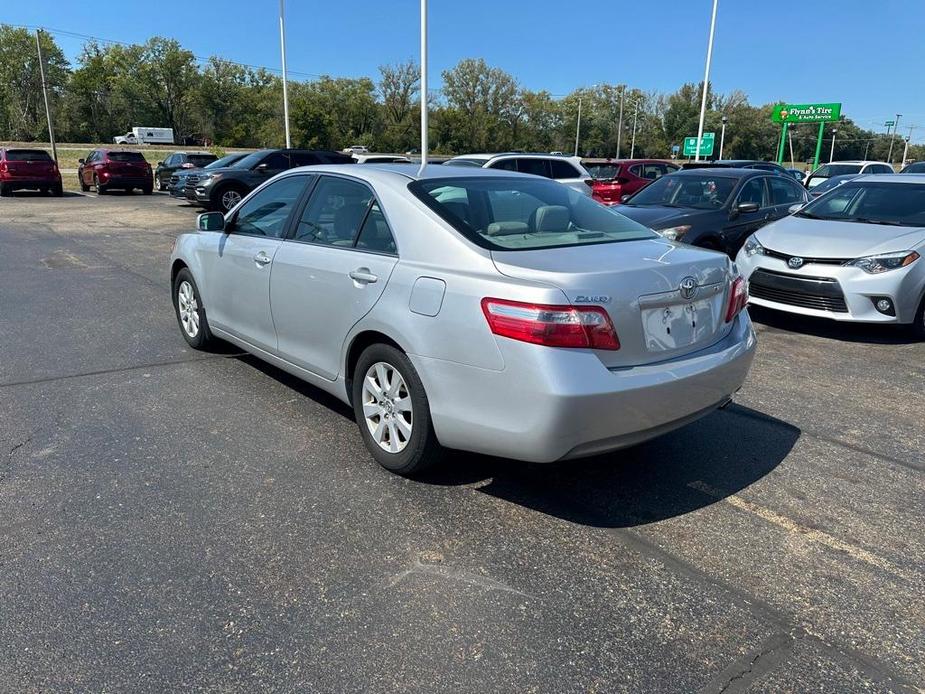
x=738 y=298
x=551 y=325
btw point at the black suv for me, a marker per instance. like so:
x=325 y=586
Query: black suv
x=222 y=189
x=715 y=207
x=177 y=161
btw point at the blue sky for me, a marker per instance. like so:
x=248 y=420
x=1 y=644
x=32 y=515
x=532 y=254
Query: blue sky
x=865 y=54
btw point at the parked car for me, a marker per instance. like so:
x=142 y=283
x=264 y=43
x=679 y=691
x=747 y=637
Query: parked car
x=915 y=167
x=356 y=149
x=178 y=180
x=142 y=136
x=851 y=255
x=830 y=183
x=380 y=159
x=106 y=169
x=29 y=169
x=222 y=189
x=840 y=168
x=612 y=179
x=474 y=309
x=714 y=208
x=771 y=166
x=177 y=161
x=566 y=170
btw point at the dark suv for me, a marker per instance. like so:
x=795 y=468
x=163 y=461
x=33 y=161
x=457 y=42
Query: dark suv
x=29 y=168
x=177 y=161
x=105 y=169
x=222 y=189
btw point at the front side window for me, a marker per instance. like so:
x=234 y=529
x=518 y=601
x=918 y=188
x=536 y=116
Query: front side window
x=334 y=213
x=701 y=191
x=889 y=204
x=266 y=213
x=753 y=191
x=278 y=161
x=524 y=214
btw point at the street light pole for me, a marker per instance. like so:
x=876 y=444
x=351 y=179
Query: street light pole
x=620 y=122
x=424 y=141
x=577 y=127
x=635 y=118
x=706 y=82
x=832 y=151
x=889 y=157
x=51 y=130
x=282 y=48
x=722 y=137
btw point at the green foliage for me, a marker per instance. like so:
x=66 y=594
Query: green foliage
x=480 y=108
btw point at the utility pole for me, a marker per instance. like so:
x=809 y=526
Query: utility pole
x=620 y=122
x=706 y=82
x=832 y=152
x=51 y=130
x=906 y=149
x=790 y=137
x=424 y=142
x=282 y=47
x=577 y=127
x=889 y=157
x=635 y=118
x=722 y=137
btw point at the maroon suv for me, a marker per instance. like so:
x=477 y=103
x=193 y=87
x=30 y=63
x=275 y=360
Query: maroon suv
x=30 y=169
x=106 y=169
x=615 y=178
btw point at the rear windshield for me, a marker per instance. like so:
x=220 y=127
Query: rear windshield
x=475 y=163
x=603 y=172
x=127 y=156
x=701 y=192
x=27 y=155
x=918 y=167
x=524 y=214
x=201 y=159
x=889 y=204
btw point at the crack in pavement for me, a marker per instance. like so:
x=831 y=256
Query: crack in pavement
x=9 y=461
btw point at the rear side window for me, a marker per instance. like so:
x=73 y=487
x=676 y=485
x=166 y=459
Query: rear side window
x=133 y=157
x=878 y=168
x=653 y=172
x=27 y=155
x=784 y=191
x=504 y=165
x=537 y=167
x=200 y=159
x=335 y=212
x=375 y=235
x=562 y=169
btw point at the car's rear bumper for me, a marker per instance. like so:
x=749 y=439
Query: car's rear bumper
x=127 y=181
x=551 y=404
x=15 y=182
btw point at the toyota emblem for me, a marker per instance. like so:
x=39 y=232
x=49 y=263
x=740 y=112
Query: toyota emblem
x=795 y=262
x=688 y=288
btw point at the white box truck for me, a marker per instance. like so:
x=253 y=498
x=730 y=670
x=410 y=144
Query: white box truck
x=146 y=136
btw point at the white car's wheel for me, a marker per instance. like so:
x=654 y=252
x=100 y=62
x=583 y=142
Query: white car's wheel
x=191 y=315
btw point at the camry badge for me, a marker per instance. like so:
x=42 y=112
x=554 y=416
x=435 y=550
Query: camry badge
x=688 y=288
x=795 y=262
x=592 y=299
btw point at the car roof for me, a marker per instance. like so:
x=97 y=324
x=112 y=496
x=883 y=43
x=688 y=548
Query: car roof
x=855 y=161
x=539 y=155
x=893 y=178
x=608 y=160
x=409 y=171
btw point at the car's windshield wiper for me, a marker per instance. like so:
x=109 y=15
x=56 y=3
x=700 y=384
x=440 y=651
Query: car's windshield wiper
x=807 y=215
x=865 y=220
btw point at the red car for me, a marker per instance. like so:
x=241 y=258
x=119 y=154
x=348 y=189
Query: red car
x=615 y=178
x=106 y=169
x=32 y=169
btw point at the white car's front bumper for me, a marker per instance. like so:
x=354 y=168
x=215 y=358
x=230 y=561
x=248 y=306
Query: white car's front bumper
x=838 y=292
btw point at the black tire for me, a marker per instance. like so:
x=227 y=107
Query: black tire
x=100 y=189
x=203 y=339
x=83 y=186
x=918 y=326
x=219 y=197
x=58 y=191
x=5 y=191
x=421 y=450
x=147 y=190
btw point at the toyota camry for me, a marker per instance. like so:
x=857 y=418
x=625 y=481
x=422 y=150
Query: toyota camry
x=473 y=309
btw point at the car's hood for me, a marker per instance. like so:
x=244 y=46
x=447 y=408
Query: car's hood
x=658 y=217
x=820 y=238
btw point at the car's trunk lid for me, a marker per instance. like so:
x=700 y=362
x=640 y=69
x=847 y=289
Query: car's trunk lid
x=639 y=284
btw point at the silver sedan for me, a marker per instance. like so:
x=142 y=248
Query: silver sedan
x=473 y=309
x=854 y=254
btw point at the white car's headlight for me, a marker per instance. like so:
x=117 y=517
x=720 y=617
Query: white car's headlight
x=875 y=264
x=752 y=247
x=674 y=233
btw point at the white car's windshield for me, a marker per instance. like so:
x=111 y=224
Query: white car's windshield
x=514 y=213
x=702 y=192
x=893 y=204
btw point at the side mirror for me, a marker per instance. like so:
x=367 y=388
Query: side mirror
x=80 y=161
x=747 y=207
x=793 y=209
x=210 y=221
x=262 y=168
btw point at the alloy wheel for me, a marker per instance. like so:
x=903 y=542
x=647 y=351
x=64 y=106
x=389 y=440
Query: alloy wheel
x=230 y=198
x=188 y=308
x=387 y=407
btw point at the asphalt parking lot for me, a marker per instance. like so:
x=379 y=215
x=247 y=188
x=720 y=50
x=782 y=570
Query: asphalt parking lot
x=172 y=520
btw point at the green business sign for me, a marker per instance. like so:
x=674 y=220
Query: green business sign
x=706 y=145
x=806 y=113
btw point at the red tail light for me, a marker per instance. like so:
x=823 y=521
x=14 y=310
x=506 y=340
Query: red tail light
x=738 y=298
x=551 y=325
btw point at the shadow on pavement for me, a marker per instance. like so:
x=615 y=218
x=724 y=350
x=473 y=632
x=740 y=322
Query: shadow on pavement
x=866 y=333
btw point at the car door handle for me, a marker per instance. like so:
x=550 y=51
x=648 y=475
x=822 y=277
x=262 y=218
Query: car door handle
x=262 y=259
x=362 y=275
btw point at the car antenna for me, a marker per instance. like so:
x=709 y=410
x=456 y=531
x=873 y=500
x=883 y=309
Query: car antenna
x=423 y=87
